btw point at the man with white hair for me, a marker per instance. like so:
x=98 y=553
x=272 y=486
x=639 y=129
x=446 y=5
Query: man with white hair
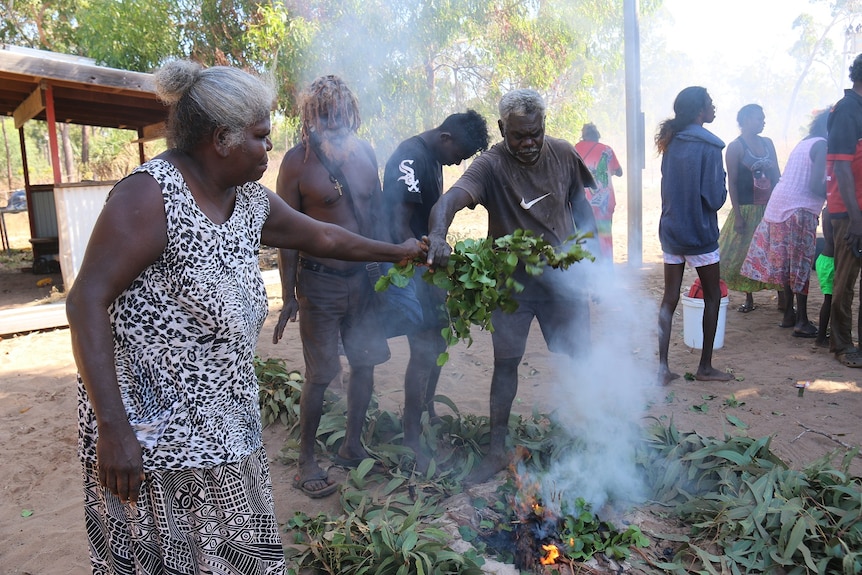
x=532 y=182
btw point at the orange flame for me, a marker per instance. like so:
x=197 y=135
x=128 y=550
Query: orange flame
x=552 y=554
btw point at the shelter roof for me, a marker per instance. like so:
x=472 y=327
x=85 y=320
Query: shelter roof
x=83 y=92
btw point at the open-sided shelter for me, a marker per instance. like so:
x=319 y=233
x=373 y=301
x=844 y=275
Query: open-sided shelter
x=52 y=87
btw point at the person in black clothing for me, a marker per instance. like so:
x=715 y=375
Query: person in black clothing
x=412 y=184
x=844 y=200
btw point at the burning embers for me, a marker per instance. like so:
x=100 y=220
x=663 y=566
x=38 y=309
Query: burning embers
x=553 y=552
x=536 y=532
x=536 y=536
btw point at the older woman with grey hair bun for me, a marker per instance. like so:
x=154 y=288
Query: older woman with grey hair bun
x=231 y=98
x=165 y=315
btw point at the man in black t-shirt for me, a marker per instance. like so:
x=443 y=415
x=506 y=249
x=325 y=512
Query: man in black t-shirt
x=412 y=184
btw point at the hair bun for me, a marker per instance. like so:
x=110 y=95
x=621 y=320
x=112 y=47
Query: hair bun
x=175 y=78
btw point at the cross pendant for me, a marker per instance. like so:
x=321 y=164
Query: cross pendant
x=338 y=187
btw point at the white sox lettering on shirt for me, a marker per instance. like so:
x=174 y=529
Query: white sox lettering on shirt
x=409 y=177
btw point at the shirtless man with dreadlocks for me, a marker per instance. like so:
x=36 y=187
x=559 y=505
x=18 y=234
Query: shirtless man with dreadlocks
x=331 y=176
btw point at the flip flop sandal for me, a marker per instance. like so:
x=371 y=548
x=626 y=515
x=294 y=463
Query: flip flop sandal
x=302 y=485
x=745 y=308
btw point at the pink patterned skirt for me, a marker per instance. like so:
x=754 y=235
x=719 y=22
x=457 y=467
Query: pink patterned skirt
x=782 y=253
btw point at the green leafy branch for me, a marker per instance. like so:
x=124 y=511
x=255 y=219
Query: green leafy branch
x=378 y=538
x=478 y=277
x=279 y=391
x=765 y=518
x=583 y=535
x=746 y=511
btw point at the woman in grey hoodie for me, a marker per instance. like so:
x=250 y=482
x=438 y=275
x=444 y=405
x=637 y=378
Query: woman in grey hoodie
x=692 y=191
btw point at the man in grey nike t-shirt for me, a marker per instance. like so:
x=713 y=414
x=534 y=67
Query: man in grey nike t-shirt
x=533 y=182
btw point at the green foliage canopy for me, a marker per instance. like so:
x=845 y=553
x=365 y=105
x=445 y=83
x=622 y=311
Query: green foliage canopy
x=410 y=63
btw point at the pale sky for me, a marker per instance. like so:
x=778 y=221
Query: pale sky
x=744 y=29
x=723 y=38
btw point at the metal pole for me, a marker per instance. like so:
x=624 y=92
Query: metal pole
x=635 y=139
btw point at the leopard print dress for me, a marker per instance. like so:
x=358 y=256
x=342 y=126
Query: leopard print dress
x=185 y=333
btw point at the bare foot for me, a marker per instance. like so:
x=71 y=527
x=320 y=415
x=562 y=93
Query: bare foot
x=712 y=374
x=665 y=376
x=420 y=460
x=491 y=465
x=353 y=455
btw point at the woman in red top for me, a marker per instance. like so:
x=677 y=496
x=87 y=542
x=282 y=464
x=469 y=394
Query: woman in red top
x=603 y=164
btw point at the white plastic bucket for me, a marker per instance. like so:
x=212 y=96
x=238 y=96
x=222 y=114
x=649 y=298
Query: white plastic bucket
x=692 y=319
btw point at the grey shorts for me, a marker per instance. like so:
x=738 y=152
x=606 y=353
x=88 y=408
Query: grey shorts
x=335 y=305
x=565 y=325
x=433 y=301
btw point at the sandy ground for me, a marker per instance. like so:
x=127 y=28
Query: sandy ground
x=41 y=524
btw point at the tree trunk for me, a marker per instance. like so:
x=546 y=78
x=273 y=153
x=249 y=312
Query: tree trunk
x=85 y=147
x=68 y=161
x=427 y=120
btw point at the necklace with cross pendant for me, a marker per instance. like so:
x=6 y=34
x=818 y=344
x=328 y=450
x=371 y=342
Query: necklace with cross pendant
x=337 y=184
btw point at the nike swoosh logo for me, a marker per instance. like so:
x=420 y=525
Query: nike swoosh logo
x=527 y=205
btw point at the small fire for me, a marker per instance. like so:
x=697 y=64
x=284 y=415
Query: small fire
x=536 y=522
x=552 y=554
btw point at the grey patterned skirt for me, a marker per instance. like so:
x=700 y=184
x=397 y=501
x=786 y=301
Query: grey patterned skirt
x=216 y=521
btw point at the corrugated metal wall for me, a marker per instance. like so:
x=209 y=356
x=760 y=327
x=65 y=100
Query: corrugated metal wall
x=43 y=213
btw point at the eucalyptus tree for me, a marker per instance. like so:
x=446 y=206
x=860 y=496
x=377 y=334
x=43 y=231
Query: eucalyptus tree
x=127 y=34
x=413 y=62
x=410 y=62
x=41 y=24
x=278 y=43
x=815 y=48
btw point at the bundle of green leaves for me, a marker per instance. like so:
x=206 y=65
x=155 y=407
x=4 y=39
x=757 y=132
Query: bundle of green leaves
x=749 y=512
x=278 y=391
x=478 y=277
